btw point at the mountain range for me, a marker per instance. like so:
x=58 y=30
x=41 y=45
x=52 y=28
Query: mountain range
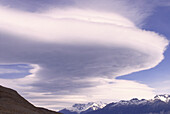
x=83 y=108
x=159 y=105
x=12 y=103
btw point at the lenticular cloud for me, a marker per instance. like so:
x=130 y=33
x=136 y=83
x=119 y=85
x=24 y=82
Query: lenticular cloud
x=71 y=45
x=112 y=43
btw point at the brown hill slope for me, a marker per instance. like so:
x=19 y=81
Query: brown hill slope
x=12 y=103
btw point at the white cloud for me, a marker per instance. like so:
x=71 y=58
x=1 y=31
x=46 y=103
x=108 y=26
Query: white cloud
x=134 y=10
x=106 y=90
x=77 y=53
x=81 y=28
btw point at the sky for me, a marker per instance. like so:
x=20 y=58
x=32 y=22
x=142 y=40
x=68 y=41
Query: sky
x=59 y=52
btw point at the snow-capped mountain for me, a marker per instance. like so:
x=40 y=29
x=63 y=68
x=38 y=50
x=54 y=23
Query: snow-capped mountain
x=160 y=104
x=164 y=98
x=83 y=108
x=133 y=101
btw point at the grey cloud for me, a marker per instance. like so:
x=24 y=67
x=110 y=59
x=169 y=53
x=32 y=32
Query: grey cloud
x=63 y=66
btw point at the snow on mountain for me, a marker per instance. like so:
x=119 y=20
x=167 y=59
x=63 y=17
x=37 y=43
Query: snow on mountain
x=164 y=97
x=159 y=101
x=83 y=107
x=159 y=105
x=133 y=101
x=91 y=106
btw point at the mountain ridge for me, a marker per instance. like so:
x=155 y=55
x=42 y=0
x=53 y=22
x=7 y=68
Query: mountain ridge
x=13 y=103
x=160 y=104
x=83 y=108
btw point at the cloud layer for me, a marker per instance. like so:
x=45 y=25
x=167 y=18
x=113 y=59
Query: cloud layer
x=77 y=54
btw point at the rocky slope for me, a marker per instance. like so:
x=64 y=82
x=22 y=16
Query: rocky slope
x=12 y=103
